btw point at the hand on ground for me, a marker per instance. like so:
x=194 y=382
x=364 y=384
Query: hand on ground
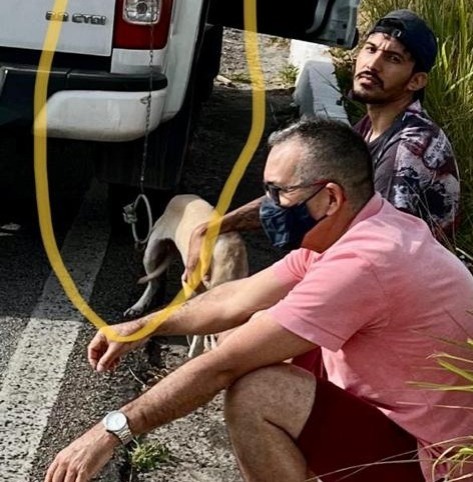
x=83 y=458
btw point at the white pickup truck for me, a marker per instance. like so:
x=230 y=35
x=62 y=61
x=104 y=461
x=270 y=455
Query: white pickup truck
x=113 y=55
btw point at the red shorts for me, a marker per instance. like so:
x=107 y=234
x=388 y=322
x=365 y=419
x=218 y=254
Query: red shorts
x=346 y=439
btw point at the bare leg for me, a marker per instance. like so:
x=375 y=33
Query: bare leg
x=266 y=411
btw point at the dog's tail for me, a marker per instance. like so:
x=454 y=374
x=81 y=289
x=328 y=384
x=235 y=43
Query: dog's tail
x=163 y=266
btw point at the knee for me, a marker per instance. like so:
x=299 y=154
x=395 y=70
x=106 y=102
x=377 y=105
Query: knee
x=247 y=394
x=279 y=396
x=252 y=395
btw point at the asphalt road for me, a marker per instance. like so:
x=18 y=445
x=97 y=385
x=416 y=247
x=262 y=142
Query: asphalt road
x=48 y=394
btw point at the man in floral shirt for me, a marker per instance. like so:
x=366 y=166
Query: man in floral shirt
x=415 y=168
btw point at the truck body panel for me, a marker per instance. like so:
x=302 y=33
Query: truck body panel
x=107 y=67
x=86 y=26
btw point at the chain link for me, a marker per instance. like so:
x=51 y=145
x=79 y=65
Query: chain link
x=148 y=109
x=130 y=211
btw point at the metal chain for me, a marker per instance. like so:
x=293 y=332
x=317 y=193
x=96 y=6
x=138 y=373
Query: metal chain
x=129 y=214
x=148 y=108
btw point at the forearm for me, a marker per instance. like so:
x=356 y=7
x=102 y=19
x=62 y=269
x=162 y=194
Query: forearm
x=189 y=387
x=261 y=342
x=204 y=314
x=244 y=218
x=223 y=307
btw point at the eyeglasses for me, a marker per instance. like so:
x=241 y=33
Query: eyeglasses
x=273 y=190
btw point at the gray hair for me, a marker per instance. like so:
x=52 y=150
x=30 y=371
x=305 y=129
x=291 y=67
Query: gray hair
x=333 y=152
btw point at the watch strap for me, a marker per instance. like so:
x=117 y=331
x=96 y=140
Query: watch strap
x=124 y=435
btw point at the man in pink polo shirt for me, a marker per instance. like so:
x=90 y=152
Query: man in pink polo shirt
x=370 y=286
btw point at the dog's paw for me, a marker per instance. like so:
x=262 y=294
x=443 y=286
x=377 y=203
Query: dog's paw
x=198 y=344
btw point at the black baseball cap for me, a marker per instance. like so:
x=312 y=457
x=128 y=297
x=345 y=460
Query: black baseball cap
x=413 y=33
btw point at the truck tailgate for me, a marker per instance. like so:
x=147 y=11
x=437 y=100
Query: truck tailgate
x=87 y=25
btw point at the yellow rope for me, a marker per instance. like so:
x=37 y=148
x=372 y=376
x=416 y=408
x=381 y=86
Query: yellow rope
x=41 y=176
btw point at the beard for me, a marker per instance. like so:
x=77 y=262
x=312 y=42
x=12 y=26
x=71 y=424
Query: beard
x=378 y=94
x=367 y=97
x=375 y=95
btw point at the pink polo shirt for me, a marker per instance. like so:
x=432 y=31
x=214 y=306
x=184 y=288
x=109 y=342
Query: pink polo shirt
x=379 y=302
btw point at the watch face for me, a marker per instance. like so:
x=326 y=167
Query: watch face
x=115 y=421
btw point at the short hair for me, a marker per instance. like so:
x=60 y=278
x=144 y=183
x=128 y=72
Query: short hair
x=335 y=152
x=413 y=32
x=418 y=66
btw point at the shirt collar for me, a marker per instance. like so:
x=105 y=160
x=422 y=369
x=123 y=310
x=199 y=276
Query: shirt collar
x=372 y=207
x=415 y=107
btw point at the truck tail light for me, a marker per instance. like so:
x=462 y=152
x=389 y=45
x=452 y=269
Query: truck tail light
x=142 y=12
x=134 y=20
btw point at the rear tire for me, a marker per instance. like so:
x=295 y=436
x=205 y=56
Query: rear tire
x=70 y=171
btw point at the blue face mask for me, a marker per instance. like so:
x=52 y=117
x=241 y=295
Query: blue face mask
x=286 y=227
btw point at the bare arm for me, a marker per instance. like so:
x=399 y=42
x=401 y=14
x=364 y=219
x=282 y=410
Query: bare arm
x=244 y=218
x=258 y=343
x=222 y=308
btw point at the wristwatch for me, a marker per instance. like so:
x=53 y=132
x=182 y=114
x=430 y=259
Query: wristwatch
x=116 y=422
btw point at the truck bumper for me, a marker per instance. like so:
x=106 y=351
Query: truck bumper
x=95 y=106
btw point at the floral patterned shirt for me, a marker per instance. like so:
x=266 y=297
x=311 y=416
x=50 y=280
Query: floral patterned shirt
x=415 y=168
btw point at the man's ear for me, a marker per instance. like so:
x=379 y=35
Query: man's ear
x=336 y=197
x=417 y=82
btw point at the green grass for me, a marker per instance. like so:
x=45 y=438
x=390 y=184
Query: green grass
x=241 y=77
x=146 y=456
x=459 y=453
x=288 y=75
